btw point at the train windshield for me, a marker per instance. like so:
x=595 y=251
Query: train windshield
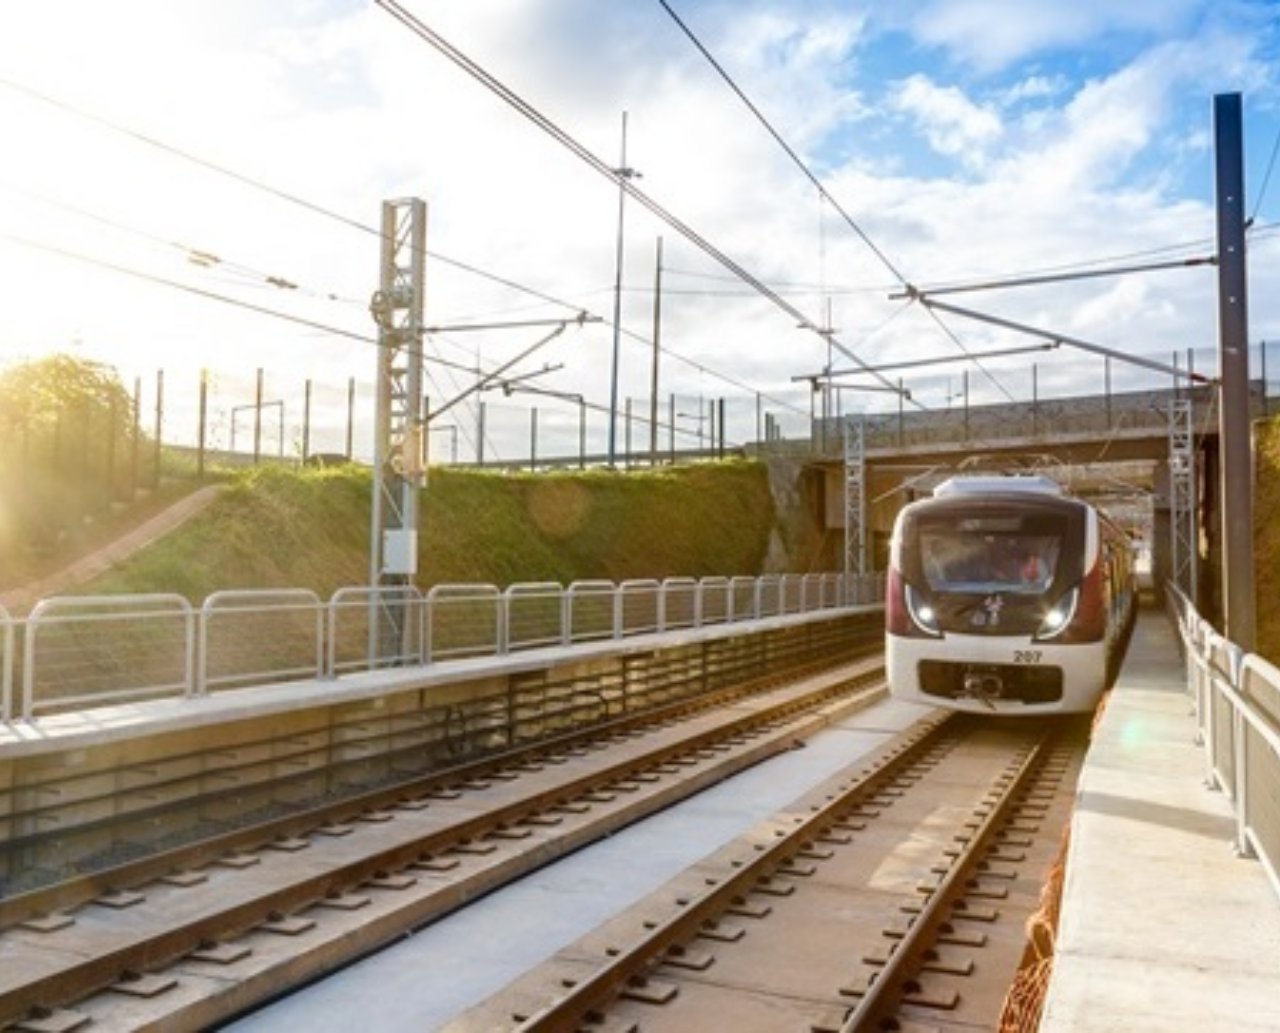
x=1009 y=554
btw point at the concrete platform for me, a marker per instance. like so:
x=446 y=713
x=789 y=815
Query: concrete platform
x=1163 y=927
x=60 y=732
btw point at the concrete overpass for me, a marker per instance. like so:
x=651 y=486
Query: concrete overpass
x=1113 y=448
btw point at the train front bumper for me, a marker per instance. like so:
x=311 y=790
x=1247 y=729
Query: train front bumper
x=1006 y=674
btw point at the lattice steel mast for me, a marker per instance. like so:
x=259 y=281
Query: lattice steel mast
x=398 y=465
x=855 y=504
x=1182 y=497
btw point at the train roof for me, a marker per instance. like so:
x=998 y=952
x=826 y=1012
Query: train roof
x=1036 y=484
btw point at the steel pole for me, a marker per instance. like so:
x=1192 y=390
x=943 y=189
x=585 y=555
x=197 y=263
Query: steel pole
x=653 y=380
x=622 y=172
x=1233 y=344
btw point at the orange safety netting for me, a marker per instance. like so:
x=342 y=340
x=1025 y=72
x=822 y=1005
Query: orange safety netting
x=1025 y=1000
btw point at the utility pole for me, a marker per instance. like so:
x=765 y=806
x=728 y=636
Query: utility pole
x=397 y=308
x=257 y=419
x=155 y=472
x=1236 y=467
x=653 y=380
x=200 y=435
x=351 y=413
x=623 y=172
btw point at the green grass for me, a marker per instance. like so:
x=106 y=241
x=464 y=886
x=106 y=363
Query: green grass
x=1266 y=537
x=276 y=527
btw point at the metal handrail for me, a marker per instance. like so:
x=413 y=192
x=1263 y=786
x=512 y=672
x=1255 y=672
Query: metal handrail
x=489 y=630
x=6 y=666
x=258 y=600
x=451 y=594
x=635 y=586
x=376 y=598
x=1231 y=689
x=151 y=606
x=670 y=586
x=531 y=590
x=588 y=590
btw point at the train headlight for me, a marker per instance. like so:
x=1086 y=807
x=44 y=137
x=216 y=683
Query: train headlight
x=923 y=615
x=1059 y=615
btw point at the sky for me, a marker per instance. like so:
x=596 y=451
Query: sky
x=169 y=163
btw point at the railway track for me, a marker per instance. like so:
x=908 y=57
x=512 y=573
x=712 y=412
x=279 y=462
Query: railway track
x=194 y=935
x=893 y=896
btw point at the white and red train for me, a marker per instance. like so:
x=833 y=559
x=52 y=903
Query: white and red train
x=1006 y=595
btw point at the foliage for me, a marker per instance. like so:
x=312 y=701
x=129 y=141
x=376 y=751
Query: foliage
x=278 y=527
x=35 y=395
x=65 y=446
x=1266 y=537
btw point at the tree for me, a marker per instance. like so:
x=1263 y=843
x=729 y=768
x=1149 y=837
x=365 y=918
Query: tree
x=65 y=425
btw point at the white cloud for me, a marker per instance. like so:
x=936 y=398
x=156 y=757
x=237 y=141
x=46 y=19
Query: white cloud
x=343 y=107
x=991 y=34
x=953 y=124
x=1035 y=87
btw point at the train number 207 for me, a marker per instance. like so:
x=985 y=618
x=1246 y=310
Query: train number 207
x=1026 y=656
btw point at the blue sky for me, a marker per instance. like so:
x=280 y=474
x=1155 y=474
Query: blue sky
x=966 y=138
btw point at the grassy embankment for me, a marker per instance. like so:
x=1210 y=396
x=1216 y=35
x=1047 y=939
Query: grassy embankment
x=310 y=528
x=1266 y=537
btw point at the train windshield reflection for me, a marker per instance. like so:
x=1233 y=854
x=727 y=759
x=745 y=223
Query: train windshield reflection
x=958 y=559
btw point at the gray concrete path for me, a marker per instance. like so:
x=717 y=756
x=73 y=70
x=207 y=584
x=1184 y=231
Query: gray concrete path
x=1163 y=927
x=101 y=560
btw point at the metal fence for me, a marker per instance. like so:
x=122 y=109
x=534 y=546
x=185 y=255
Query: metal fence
x=6 y=665
x=1237 y=707
x=80 y=652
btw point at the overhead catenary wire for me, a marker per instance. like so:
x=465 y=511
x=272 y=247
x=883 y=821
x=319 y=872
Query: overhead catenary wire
x=260 y=185
x=1031 y=281
x=352 y=223
x=449 y=366
x=492 y=83
x=202 y=257
x=1266 y=180
x=804 y=169
x=826 y=195
x=162 y=281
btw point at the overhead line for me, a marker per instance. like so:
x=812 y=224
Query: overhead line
x=1074 y=342
x=196 y=256
x=822 y=190
x=443 y=46
x=884 y=260
x=210 y=295
x=258 y=184
x=1266 y=179
x=1030 y=281
x=347 y=221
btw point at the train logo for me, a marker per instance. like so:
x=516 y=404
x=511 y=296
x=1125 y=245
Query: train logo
x=989 y=615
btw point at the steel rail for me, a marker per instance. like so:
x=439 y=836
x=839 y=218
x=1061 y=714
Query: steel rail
x=594 y=993
x=879 y=1001
x=50 y=812
x=19 y=907
x=139 y=949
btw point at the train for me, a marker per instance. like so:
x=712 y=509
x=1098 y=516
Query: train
x=1004 y=594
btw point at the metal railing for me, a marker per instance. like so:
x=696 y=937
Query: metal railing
x=6 y=665
x=1237 y=708
x=77 y=650
x=80 y=652
x=372 y=627
x=252 y=636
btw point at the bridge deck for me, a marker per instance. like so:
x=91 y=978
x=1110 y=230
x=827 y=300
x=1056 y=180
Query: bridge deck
x=1162 y=926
